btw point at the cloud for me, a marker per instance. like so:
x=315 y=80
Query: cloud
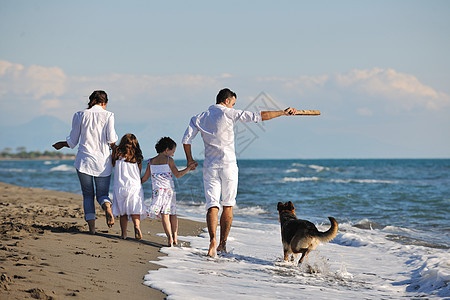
x=37 y=89
x=364 y=111
x=385 y=85
x=151 y=92
x=360 y=103
x=392 y=85
x=33 y=82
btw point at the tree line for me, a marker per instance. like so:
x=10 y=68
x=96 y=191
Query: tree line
x=22 y=153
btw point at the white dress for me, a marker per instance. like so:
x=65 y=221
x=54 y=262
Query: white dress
x=163 y=194
x=128 y=194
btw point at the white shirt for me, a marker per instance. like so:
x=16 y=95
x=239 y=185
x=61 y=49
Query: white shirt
x=94 y=130
x=216 y=126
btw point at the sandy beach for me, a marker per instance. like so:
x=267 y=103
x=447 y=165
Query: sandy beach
x=47 y=253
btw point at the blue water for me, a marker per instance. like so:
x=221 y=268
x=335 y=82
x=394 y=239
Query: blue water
x=393 y=239
x=412 y=194
x=406 y=193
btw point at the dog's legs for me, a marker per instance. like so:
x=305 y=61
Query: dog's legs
x=304 y=255
x=286 y=255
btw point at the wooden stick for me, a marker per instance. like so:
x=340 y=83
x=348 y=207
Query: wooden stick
x=308 y=113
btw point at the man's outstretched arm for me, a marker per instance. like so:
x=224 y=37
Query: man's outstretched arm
x=267 y=115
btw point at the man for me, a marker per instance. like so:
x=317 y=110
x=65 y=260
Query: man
x=220 y=171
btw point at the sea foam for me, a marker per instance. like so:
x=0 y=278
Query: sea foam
x=62 y=168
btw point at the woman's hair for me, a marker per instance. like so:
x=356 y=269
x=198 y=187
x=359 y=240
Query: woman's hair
x=97 y=97
x=128 y=149
x=224 y=94
x=165 y=143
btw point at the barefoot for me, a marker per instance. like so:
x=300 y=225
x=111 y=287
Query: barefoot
x=137 y=233
x=91 y=224
x=222 y=247
x=175 y=239
x=212 y=248
x=108 y=214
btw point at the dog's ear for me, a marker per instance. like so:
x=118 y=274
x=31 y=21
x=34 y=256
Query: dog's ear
x=279 y=206
x=290 y=206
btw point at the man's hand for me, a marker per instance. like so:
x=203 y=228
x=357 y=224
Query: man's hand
x=192 y=164
x=290 y=111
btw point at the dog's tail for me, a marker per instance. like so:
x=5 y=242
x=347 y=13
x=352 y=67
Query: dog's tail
x=330 y=233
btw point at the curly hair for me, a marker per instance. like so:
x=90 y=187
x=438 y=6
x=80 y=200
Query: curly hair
x=128 y=149
x=165 y=143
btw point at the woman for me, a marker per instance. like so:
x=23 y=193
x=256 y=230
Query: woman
x=93 y=129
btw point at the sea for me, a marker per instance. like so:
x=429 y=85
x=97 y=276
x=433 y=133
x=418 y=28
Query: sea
x=393 y=240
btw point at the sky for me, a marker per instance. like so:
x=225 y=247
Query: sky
x=377 y=70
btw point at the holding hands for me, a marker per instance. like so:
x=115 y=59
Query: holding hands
x=192 y=165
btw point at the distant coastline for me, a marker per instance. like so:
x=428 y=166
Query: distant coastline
x=36 y=155
x=63 y=157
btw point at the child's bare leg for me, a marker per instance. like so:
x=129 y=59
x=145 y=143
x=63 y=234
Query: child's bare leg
x=174 y=225
x=123 y=226
x=91 y=224
x=137 y=226
x=167 y=228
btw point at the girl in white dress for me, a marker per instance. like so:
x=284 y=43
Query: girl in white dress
x=128 y=195
x=163 y=202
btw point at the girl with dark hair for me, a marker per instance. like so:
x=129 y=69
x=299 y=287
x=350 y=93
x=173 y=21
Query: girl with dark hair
x=163 y=202
x=93 y=131
x=128 y=194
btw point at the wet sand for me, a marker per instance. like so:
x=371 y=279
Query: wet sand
x=47 y=253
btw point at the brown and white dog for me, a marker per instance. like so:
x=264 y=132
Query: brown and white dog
x=301 y=236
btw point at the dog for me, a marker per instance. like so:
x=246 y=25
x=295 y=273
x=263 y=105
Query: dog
x=301 y=236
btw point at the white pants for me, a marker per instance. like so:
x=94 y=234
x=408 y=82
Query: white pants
x=220 y=186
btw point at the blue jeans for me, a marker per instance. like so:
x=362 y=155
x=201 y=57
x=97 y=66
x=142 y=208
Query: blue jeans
x=87 y=188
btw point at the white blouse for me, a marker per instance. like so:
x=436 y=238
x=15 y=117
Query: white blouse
x=94 y=130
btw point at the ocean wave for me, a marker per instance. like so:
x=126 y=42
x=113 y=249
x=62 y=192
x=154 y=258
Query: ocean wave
x=367 y=224
x=198 y=208
x=350 y=239
x=363 y=181
x=51 y=162
x=293 y=179
x=314 y=178
x=396 y=229
x=16 y=170
x=431 y=276
x=250 y=211
x=316 y=168
x=62 y=168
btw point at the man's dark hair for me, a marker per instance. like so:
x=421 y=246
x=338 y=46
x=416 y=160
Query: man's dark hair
x=224 y=94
